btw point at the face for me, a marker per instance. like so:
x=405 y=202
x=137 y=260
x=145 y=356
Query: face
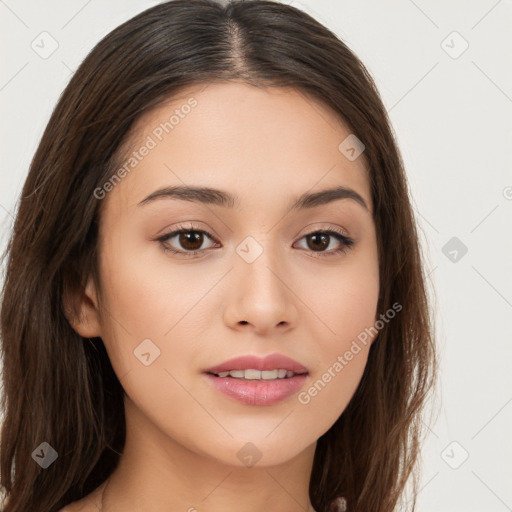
x=248 y=276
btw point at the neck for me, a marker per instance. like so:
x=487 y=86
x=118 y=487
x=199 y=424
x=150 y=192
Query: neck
x=157 y=474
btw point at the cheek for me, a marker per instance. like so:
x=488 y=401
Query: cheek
x=147 y=297
x=345 y=303
x=145 y=323
x=142 y=287
x=330 y=390
x=137 y=304
x=342 y=298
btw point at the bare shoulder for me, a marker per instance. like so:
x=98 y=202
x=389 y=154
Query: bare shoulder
x=80 y=506
x=75 y=507
x=89 y=503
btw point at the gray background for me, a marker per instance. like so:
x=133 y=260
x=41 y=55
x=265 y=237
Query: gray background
x=450 y=107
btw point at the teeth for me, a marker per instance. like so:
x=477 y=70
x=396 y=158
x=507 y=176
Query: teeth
x=237 y=373
x=257 y=374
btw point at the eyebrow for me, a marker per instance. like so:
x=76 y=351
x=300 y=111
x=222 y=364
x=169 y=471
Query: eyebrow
x=213 y=196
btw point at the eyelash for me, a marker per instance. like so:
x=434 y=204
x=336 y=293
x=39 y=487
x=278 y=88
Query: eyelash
x=346 y=242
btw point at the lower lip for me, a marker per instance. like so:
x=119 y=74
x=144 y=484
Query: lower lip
x=258 y=392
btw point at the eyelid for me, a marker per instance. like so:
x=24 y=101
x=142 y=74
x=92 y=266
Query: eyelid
x=323 y=227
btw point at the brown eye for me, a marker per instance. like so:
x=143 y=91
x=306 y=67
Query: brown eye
x=319 y=241
x=188 y=241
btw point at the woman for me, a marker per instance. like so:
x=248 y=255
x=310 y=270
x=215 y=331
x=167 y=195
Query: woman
x=214 y=295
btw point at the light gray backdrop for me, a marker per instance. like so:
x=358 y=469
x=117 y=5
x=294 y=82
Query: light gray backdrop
x=444 y=72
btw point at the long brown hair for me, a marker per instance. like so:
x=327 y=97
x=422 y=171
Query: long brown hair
x=61 y=389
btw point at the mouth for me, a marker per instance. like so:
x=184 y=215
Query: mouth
x=256 y=380
x=253 y=374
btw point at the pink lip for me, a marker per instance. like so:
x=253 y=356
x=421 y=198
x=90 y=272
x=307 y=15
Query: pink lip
x=250 y=362
x=257 y=392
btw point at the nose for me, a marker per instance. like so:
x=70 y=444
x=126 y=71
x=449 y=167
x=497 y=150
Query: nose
x=261 y=295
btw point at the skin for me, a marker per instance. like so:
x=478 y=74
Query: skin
x=267 y=146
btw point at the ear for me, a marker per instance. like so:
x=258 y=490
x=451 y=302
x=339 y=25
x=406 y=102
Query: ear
x=82 y=311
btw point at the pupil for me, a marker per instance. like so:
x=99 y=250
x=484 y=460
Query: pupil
x=191 y=240
x=324 y=238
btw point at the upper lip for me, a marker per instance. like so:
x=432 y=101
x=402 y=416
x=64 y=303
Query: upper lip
x=269 y=362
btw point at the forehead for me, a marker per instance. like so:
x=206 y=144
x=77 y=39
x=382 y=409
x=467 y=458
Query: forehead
x=266 y=144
